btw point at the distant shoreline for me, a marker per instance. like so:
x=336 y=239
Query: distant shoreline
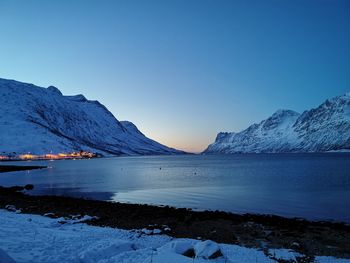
x=14 y=168
x=260 y=231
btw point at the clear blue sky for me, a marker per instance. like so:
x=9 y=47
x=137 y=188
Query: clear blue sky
x=182 y=70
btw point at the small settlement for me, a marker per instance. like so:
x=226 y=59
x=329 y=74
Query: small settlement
x=49 y=156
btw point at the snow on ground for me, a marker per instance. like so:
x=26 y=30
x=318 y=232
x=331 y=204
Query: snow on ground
x=34 y=238
x=285 y=254
x=330 y=260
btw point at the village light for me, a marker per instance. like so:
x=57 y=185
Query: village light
x=51 y=156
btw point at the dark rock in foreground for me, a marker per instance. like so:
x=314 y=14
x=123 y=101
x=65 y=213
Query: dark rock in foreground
x=13 y=168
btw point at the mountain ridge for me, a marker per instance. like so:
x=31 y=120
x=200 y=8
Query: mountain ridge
x=42 y=120
x=321 y=129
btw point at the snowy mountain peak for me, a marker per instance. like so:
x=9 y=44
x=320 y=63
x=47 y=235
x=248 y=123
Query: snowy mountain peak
x=222 y=135
x=42 y=120
x=345 y=98
x=278 y=118
x=325 y=128
x=78 y=98
x=54 y=90
x=283 y=112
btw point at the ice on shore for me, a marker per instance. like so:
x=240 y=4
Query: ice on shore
x=26 y=238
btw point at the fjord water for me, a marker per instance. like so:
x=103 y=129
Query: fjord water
x=313 y=186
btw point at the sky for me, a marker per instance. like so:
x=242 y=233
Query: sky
x=182 y=70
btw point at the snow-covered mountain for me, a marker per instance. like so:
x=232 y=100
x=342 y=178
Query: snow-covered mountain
x=42 y=120
x=325 y=128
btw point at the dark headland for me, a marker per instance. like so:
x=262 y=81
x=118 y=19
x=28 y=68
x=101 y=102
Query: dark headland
x=14 y=168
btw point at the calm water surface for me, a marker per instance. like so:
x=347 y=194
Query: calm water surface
x=313 y=186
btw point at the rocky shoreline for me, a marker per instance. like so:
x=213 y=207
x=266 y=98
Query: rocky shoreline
x=310 y=238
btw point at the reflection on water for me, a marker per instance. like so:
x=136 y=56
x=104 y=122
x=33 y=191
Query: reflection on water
x=315 y=186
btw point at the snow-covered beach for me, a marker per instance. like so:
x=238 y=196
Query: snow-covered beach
x=34 y=238
x=65 y=229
